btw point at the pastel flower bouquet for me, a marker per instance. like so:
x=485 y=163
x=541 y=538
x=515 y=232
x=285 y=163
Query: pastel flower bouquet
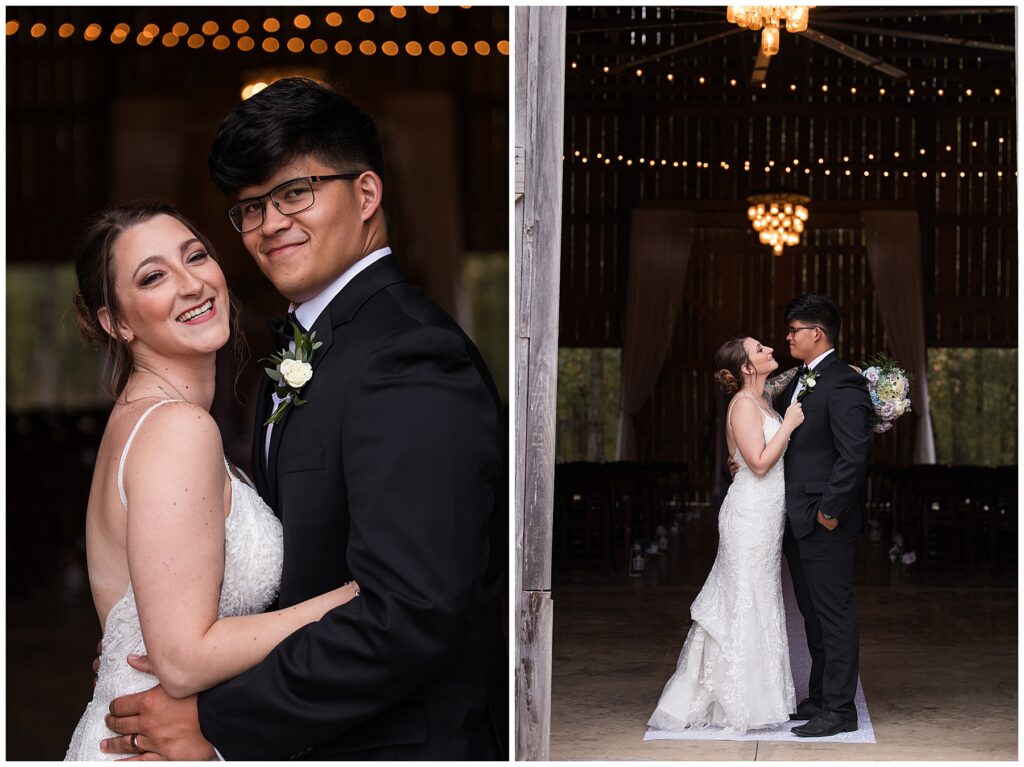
x=889 y=387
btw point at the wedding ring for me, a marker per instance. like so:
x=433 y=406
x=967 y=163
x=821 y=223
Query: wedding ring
x=134 y=741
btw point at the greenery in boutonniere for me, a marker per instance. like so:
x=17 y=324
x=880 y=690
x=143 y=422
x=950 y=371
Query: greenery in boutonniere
x=292 y=370
x=808 y=380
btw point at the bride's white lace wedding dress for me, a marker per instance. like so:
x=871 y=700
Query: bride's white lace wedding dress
x=253 y=551
x=733 y=671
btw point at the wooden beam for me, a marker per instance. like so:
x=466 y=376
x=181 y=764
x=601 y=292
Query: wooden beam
x=540 y=99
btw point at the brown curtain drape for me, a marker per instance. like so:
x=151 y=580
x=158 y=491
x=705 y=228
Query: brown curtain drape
x=659 y=252
x=894 y=254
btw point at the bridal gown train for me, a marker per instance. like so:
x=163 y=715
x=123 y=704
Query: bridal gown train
x=253 y=553
x=733 y=671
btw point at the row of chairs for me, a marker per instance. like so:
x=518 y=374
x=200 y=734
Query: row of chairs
x=601 y=510
x=953 y=518
x=960 y=519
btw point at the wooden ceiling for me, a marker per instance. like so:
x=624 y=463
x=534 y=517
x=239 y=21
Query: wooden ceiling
x=693 y=55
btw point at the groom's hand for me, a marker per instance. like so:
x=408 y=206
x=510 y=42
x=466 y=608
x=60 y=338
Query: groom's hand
x=830 y=524
x=166 y=727
x=733 y=467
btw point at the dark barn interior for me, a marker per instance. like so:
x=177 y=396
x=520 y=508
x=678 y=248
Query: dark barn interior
x=898 y=124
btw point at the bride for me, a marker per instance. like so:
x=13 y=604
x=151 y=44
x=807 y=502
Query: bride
x=184 y=575
x=733 y=671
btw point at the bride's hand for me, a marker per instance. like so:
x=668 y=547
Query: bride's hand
x=794 y=417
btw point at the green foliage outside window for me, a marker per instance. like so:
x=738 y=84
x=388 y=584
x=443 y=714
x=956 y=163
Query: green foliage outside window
x=485 y=284
x=973 y=396
x=588 y=404
x=49 y=365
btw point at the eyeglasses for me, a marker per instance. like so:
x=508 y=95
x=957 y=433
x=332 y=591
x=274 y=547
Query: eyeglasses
x=791 y=331
x=289 y=198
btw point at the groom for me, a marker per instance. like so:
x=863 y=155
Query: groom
x=391 y=474
x=825 y=464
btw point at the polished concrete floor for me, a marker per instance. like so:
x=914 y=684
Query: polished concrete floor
x=938 y=664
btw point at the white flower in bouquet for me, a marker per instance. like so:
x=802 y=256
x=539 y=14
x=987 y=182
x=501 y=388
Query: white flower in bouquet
x=871 y=374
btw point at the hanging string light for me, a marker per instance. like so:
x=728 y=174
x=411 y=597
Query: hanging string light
x=767 y=18
x=209 y=31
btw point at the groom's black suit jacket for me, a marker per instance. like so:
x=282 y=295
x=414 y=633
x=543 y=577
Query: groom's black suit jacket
x=392 y=474
x=827 y=457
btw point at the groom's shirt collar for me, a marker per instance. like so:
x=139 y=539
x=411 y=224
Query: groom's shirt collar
x=308 y=311
x=811 y=365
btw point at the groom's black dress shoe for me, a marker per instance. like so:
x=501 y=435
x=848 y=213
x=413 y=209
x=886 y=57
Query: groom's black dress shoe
x=825 y=724
x=805 y=709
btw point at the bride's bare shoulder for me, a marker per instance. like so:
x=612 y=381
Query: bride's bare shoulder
x=179 y=428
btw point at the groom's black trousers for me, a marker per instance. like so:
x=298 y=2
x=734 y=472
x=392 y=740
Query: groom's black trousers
x=821 y=568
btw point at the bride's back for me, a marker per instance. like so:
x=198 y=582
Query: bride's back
x=106 y=520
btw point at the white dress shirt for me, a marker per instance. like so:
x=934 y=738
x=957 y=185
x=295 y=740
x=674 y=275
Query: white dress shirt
x=811 y=365
x=309 y=311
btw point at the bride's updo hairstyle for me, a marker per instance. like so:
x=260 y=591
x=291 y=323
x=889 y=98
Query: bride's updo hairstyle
x=94 y=267
x=729 y=362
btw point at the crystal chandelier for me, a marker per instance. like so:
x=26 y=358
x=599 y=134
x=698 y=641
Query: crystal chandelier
x=767 y=18
x=778 y=218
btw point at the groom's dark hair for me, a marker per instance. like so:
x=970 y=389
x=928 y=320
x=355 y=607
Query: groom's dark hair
x=819 y=310
x=290 y=118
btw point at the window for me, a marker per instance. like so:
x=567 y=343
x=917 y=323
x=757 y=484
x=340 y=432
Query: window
x=485 y=286
x=588 y=404
x=973 y=396
x=49 y=365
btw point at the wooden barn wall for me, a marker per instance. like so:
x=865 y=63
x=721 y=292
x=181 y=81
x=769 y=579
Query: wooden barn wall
x=879 y=152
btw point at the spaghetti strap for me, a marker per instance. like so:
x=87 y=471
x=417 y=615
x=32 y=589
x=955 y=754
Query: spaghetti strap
x=733 y=401
x=124 y=453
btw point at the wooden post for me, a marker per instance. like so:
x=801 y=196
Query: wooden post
x=539 y=117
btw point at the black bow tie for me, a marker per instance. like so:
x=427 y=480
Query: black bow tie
x=803 y=369
x=282 y=329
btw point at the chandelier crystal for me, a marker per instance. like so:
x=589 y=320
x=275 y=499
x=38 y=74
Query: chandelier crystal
x=767 y=18
x=778 y=218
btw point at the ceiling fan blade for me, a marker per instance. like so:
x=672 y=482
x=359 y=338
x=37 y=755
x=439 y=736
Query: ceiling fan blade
x=902 y=13
x=942 y=39
x=652 y=27
x=853 y=53
x=761 y=64
x=676 y=49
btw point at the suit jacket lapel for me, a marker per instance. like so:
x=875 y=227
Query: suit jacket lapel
x=341 y=310
x=258 y=462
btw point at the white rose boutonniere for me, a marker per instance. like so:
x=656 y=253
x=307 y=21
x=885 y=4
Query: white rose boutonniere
x=808 y=380
x=292 y=371
x=296 y=374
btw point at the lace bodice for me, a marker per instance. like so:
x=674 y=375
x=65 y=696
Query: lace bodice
x=733 y=671
x=253 y=555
